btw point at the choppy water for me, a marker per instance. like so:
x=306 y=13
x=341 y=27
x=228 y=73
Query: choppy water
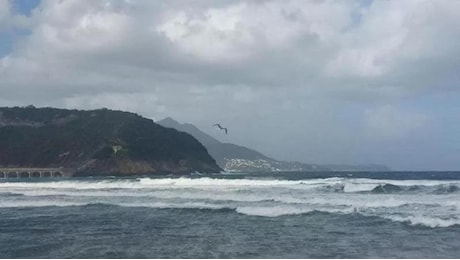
x=290 y=215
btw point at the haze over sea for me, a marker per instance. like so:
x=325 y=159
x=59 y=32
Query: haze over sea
x=282 y=215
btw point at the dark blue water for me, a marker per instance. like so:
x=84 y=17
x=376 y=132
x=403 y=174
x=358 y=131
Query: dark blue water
x=293 y=215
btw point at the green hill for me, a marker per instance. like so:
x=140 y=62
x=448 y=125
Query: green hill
x=97 y=142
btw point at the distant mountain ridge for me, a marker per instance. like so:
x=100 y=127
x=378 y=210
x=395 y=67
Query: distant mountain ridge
x=190 y=129
x=234 y=157
x=221 y=152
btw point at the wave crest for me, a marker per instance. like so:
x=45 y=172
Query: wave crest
x=425 y=202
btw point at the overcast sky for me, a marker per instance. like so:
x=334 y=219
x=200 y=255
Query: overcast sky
x=315 y=81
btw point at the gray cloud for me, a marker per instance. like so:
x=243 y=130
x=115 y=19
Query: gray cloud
x=320 y=76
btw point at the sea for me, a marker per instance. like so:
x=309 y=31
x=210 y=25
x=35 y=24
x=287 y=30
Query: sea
x=234 y=215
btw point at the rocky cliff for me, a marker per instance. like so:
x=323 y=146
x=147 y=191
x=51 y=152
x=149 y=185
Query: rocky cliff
x=97 y=142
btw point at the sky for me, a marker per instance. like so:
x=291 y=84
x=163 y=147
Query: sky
x=345 y=82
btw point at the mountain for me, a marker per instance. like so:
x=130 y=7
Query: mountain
x=234 y=157
x=190 y=129
x=97 y=142
x=221 y=152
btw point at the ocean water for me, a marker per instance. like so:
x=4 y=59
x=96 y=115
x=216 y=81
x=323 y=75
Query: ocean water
x=282 y=215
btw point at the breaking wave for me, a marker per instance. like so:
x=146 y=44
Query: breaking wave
x=435 y=189
x=430 y=203
x=331 y=184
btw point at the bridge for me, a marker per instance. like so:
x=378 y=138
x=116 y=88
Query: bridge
x=35 y=172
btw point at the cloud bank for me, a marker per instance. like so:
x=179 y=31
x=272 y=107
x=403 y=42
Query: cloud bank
x=328 y=81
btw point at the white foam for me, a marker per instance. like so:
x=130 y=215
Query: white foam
x=79 y=193
x=170 y=183
x=350 y=185
x=215 y=182
x=259 y=197
x=163 y=205
x=427 y=221
x=77 y=185
x=272 y=211
x=401 y=182
x=265 y=211
x=29 y=204
x=359 y=187
x=284 y=210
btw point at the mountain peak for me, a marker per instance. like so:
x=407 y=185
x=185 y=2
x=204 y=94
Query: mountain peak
x=201 y=136
x=168 y=121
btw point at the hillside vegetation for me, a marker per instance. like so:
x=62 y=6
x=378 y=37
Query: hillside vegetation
x=97 y=142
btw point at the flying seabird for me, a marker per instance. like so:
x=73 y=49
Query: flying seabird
x=221 y=128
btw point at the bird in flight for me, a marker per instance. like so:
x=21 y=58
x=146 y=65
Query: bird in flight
x=221 y=128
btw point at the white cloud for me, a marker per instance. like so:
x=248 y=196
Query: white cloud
x=10 y=20
x=149 y=105
x=241 y=30
x=315 y=45
x=397 y=37
x=255 y=62
x=214 y=36
x=5 y=14
x=4 y=9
